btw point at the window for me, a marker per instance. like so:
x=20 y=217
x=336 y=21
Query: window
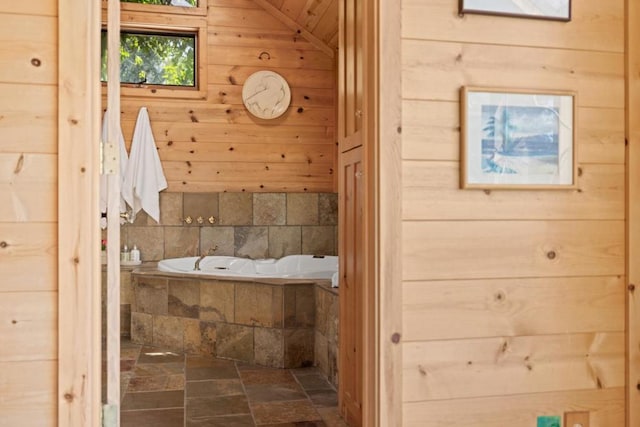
x=154 y=58
x=182 y=3
x=163 y=48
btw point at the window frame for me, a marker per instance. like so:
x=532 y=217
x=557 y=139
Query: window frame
x=151 y=22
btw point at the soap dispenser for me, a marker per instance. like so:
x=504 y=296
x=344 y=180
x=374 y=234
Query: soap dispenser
x=135 y=254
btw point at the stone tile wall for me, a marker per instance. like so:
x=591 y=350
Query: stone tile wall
x=326 y=344
x=269 y=325
x=251 y=225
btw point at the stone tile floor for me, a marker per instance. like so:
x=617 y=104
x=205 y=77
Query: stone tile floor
x=165 y=389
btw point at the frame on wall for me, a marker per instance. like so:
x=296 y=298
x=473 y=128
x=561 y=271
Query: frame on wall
x=555 y=10
x=517 y=139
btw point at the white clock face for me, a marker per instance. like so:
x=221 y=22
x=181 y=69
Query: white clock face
x=266 y=94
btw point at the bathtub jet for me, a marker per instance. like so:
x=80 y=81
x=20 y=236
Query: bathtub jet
x=288 y=267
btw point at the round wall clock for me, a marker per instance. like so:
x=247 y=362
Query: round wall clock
x=266 y=94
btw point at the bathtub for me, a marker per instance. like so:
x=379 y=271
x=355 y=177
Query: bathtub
x=289 y=267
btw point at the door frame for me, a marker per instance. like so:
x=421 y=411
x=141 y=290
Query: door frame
x=387 y=160
x=632 y=139
x=79 y=353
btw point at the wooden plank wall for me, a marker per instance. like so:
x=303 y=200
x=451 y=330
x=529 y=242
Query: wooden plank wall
x=215 y=144
x=28 y=213
x=496 y=330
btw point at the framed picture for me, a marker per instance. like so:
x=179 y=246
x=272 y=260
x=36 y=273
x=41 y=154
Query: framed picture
x=517 y=139
x=557 y=10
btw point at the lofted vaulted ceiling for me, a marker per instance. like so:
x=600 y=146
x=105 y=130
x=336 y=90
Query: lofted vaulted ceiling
x=317 y=20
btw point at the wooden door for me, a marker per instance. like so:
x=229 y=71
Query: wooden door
x=352 y=223
x=351 y=74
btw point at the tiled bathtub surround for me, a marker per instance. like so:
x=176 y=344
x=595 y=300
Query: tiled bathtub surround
x=326 y=332
x=269 y=324
x=252 y=225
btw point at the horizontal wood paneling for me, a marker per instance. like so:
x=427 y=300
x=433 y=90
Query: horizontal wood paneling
x=505 y=293
x=28 y=184
x=606 y=409
x=31 y=107
x=512 y=307
x=435 y=70
x=25 y=40
x=257 y=37
x=432 y=191
x=437 y=250
x=431 y=131
x=29 y=394
x=237 y=74
x=28 y=326
x=595 y=25
x=28 y=213
x=301 y=96
x=215 y=144
x=29 y=258
x=42 y=7
x=456 y=369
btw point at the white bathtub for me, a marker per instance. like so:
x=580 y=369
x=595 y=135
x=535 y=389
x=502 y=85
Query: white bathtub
x=289 y=267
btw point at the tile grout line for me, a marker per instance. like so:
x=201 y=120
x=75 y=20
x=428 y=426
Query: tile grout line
x=244 y=390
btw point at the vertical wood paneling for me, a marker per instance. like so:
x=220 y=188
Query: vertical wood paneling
x=541 y=271
x=633 y=211
x=78 y=266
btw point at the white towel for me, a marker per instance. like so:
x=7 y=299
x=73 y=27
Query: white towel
x=144 y=178
x=103 y=178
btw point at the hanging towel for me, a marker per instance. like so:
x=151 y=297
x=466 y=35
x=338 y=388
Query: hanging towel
x=103 y=178
x=144 y=178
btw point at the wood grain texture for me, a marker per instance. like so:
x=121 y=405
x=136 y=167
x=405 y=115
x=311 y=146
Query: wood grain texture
x=78 y=268
x=28 y=245
x=45 y=7
x=594 y=25
x=606 y=408
x=432 y=192
x=633 y=212
x=214 y=144
x=431 y=131
x=28 y=392
x=544 y=268
x=28 y=106
x=455 y=309
x=435 y=70
x=440 y=250
x=28 y=184
x=456 y=369
x=28 y=49
x=28 y=326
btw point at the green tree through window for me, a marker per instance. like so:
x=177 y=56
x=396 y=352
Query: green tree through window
x=156 y=59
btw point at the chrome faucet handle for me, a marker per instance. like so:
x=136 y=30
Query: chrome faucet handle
x=200 y=220
x=188 y=220
x=212 y=219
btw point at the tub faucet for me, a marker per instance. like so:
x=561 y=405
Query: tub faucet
x=196 y=267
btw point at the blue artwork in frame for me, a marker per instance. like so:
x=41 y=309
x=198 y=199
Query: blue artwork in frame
x=516 y=139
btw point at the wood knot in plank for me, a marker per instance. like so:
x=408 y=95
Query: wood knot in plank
x=19 y=165
x=3 y=244
x=36 y=62
x=69 y=397
x=395 y=338
x=422 y=370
